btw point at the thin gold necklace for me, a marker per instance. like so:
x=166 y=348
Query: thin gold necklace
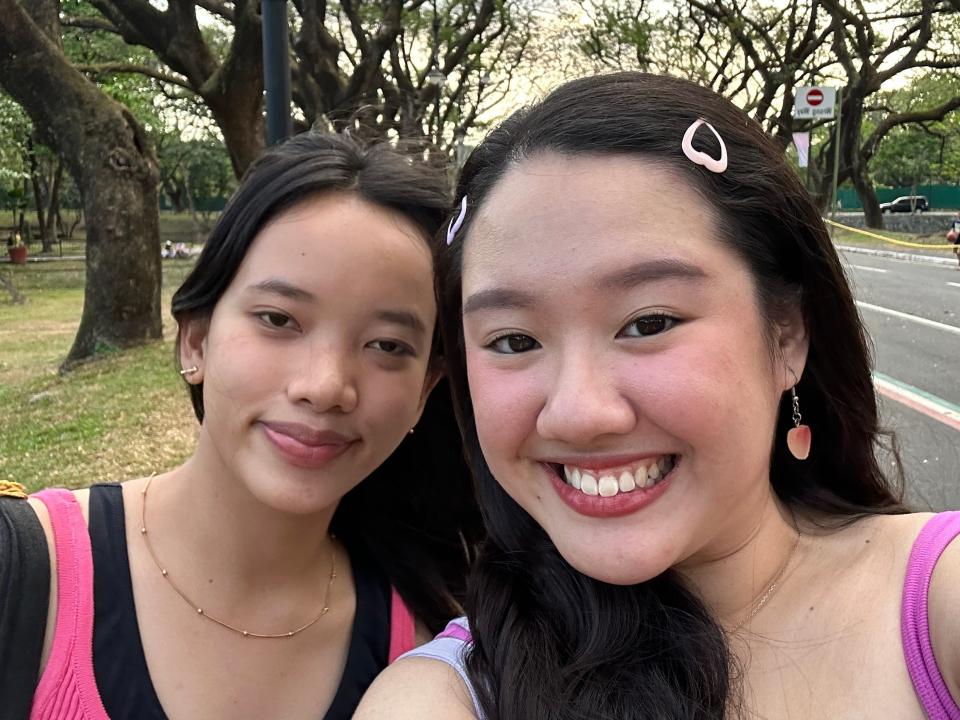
x=208 y=616
x=771 y=588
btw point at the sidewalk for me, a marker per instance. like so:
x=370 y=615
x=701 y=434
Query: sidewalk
x=897 y=255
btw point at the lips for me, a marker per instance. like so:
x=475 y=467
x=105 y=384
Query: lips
x=615 y=504
x=304 y=446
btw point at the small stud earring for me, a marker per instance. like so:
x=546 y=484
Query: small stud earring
x=799 y=437
x=410 y=432
x=190 y=370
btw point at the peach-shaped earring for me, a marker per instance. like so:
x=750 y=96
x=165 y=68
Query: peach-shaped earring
x=799 y=436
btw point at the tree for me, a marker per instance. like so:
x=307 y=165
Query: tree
x=110 y=158
x=357 y=64
x=757 y=52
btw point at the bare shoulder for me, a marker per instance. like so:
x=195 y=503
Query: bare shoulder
x=943 y=601
x=417 y=688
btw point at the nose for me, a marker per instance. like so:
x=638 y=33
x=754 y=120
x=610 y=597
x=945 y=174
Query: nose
x=584 y=403
x=326 y=379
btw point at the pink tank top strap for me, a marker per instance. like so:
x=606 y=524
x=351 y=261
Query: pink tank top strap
x=402 y=627
x=927 y=679
x=67 y=688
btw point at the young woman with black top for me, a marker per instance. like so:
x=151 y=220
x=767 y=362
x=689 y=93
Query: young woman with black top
x=324 y=522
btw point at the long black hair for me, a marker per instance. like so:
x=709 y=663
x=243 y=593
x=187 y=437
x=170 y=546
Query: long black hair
x=549 y=642
x=416 y=514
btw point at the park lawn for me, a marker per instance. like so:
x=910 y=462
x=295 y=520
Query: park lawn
x=122 y=416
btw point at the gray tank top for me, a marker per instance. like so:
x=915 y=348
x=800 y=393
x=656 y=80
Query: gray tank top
x=451 y=647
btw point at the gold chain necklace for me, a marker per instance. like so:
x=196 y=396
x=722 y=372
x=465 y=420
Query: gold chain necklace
x=771 y=588
x=204 y=613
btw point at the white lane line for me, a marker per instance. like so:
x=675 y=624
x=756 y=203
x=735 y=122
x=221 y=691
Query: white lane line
x=871 y=269
x=911 y=318
x=954 y=284
x=923 y=402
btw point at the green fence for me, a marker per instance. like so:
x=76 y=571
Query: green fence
x=940 y=197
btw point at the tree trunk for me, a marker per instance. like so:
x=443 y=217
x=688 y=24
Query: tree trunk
x=53 y=207
x=39 y=196
x=112 y=162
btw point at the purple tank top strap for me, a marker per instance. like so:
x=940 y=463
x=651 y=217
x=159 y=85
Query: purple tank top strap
x=67 y=689
x=927 y=679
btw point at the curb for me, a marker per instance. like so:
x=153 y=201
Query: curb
x=909 y=257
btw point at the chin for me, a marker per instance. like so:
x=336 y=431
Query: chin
x=295 y=497
x=611 y=567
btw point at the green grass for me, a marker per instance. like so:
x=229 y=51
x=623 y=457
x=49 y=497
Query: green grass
x=124 y=415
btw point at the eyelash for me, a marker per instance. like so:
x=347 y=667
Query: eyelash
x=667 y=320
x=265 y=318
x=402 y=349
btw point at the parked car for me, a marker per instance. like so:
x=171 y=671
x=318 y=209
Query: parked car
x=906 y=203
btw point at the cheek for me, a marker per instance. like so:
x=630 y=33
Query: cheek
x=505 y=406
x=239 y=367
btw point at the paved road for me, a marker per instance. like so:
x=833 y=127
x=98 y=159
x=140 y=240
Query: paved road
x=912 y=311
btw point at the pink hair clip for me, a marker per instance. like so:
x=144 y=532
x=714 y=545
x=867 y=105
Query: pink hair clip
x=717 y=165
x=455 y=224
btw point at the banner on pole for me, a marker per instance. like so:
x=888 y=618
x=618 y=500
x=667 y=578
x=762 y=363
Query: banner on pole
x=814 y=102
x=802 y=141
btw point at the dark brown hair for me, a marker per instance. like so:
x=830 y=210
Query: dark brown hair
x=550 y=642
x=415 y=515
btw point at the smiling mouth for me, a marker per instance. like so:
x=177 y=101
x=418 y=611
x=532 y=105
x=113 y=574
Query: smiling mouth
x=613 y=481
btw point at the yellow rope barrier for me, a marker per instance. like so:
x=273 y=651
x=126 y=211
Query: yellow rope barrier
x=890 y=240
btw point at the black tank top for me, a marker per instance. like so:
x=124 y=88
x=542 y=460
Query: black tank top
x=118 y=661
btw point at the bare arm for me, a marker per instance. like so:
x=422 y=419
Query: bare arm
x=415 y=689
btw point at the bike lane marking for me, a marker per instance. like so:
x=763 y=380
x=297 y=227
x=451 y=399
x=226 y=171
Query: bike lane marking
x=914 y=398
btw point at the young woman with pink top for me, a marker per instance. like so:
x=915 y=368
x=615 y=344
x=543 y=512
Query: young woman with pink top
x=665 y=392
x=322 y=525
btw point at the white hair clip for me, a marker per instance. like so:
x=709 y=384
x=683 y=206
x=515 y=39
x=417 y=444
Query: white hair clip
x=455 y=224
x=717 y=165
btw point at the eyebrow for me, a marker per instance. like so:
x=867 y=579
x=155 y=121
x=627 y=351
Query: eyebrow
x=623 y=279
x=284 y=289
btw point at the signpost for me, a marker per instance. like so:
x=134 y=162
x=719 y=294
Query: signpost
x=813 y=102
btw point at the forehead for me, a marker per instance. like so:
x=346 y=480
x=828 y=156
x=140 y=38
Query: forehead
x=569 y=217
x=340 y=235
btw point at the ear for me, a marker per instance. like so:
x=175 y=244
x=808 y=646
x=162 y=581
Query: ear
x=429 y=383
x=193 y=346
x=793 y=344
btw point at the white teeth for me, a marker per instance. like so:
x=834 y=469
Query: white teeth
x=644 y=476
x=640 y=476
x=588 y=485
x=608 y=486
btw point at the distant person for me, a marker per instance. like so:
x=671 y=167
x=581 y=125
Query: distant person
x=664 y=387
x=312 y=536
x=953 y=235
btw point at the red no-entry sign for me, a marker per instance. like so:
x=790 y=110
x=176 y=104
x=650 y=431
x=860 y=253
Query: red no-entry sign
x=814 y=97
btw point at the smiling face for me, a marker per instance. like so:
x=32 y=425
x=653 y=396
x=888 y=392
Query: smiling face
x=314 y=361
x=624 y=389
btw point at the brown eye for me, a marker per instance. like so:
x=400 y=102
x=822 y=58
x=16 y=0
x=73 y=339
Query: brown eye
x=275 y=319
x=648 y=325
x=514 y=344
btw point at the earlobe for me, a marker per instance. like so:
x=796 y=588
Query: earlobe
x=193 y=337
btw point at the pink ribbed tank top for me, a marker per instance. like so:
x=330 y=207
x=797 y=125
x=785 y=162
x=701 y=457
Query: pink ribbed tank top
x=68 y=687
